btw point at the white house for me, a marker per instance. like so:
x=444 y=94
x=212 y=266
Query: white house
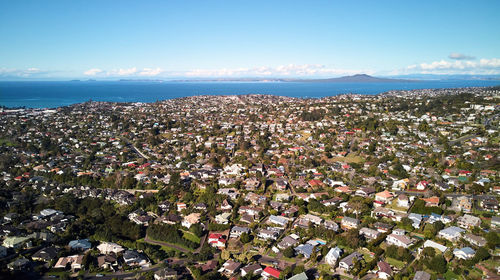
x=464 y=253
x=399 y=240
x=110 y=247
x=435 y=245
x=451 y=233
x=333 y=255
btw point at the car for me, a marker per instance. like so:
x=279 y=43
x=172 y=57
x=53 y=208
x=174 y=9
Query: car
x=99 y=275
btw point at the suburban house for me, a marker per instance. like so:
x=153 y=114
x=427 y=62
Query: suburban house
x=81 y=244
x=255 y=269
x=349 y=223
x=422 y=275
x=278 y=220
x=399 y=240
x=451 y=233
x=300 y=276
x=384 y=196
x=331 y=225
x=305 y=249
x=384 y=270
x=347 y=262
x=365 y=192
x=403 y=201
x=237 y=231
x=107 y=262
x=464 y=253
x=435 y=245
x=75 y=262
x=287 y=241
x=468 y=221
x=270 y=272
x=134 y=258
x=15 y=241
x=333 y=255
x=230 y=267
x=217 y=240
x=45 y=254
x=165 y=273
x=191 y=219
x=475 y=240
x=223 y=218
x=110 y=247
x=431 y=201
x=369 y=233
x=267 y=234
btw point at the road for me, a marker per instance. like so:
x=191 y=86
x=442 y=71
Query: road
x=134 y=147
x=486 y=123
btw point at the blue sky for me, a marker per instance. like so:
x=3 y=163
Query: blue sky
x=162 y=39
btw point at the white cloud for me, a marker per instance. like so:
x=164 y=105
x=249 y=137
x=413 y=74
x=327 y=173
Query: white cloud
x=124 y=72
x=290 y=70
x=483 y=66
x=460 y=56
x=92 y=72
x=490 y=63
x=150 y=71
x=30 y=72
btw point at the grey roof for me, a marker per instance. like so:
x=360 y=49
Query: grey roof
x=80 y=244
x=467 y=250
x=300 y=276
x=305 y=249
x=422 y=275
x=46 y=254
x=349 y=259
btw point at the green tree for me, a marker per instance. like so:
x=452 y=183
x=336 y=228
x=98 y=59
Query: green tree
x=289 y=252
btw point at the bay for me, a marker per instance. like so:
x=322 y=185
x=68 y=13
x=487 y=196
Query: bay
x=54 y=94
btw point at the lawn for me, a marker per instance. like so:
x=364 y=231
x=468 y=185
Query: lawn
x=351 y=158
x=191 y=237
x=166 y=248
x=449 y=275
x=397 y=263
x=6 y=142
x=475 y=274
x=366 y=254
x=394 y=206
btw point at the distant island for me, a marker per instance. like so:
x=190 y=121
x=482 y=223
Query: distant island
x=358 y=78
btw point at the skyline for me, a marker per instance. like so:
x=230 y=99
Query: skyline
x=196 y=39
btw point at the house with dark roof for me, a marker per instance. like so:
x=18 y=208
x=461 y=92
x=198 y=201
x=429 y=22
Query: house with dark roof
x=45 y=254
x=384 y=270
x=347 y=262
x=165 y=273
x=422 y=275
x=254 y=269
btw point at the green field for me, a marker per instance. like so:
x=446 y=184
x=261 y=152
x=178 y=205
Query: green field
x=449 y=275
x=191 y=237
x=397 y=263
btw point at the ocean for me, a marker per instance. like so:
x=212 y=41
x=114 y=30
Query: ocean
x=56 y=94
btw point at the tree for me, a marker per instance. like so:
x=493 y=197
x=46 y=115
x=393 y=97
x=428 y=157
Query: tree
x=289 y=252
x=493 y=239
x=437 y=264
x=197 y=229
x=245 y=238
x=428 y=252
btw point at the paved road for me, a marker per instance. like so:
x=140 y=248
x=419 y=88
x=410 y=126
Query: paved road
x=486 y=123
x=202 y=241
x=134 y=147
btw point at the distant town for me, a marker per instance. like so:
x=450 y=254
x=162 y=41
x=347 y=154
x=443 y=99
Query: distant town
x=400 y=185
